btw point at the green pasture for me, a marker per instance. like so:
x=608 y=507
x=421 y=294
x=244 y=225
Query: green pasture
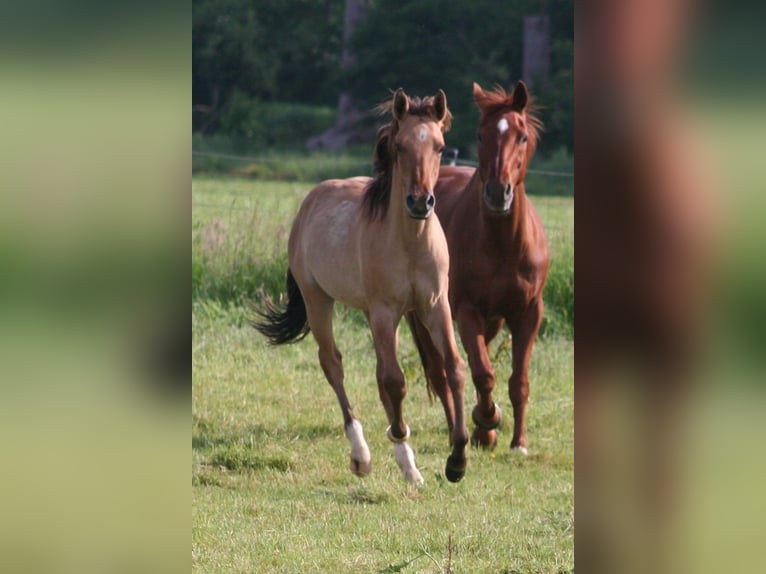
x=271 y=489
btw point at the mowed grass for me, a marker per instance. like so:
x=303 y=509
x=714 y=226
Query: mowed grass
x=271 y=489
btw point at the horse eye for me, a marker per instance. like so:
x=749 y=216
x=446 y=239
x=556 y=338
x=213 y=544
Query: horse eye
x=524 y=138
x=440 y=150
x=398 y=146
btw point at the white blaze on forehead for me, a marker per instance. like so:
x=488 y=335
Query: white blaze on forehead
x=502 y=125
x=423 y=133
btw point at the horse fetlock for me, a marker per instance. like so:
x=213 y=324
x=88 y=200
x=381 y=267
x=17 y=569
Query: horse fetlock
x=393 y=439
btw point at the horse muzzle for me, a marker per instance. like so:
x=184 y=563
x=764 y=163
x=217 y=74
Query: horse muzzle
x=498 y=197
x=420 y=207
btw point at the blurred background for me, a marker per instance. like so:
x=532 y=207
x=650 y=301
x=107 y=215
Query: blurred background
x=670 y=281
x=94 y=255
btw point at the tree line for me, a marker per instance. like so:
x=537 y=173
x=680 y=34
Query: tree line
x=263 y=66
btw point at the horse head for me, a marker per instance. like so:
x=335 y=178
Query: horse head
x=507 y=139
x=409 y=149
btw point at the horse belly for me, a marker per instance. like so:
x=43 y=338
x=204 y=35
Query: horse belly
x=342 y=282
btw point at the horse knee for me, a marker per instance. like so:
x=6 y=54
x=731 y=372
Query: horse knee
x=394 y=386
x=483 y=380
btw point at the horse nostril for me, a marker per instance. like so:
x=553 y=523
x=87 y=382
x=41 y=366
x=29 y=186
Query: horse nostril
x=410 y=202
x=431 y=201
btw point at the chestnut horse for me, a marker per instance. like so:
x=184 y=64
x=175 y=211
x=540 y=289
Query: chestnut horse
x=372 y=244
x=498 y=259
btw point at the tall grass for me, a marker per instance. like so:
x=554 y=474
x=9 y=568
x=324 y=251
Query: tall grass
x=239 y=244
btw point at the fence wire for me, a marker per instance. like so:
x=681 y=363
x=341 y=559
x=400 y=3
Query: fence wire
x=460 y=162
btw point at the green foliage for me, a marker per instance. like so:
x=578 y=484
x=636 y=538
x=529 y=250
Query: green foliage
x=557 y=102
x=273 y=124
x=250 y=53
x=268 y=49
x=424 y=46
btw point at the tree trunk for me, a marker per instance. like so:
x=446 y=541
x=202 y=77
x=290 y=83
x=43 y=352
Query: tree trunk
x=537 y=41
x=346 y=129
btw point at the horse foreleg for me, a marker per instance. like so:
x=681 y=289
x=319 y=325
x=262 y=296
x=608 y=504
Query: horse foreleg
x=486 y=414
x=392 y=389
x=439 y=324
x=319 y=309
x=524 y=328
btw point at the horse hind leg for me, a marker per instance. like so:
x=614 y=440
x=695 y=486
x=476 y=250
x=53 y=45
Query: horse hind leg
x=320 y=310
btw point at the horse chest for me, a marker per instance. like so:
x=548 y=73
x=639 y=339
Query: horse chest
x=496 y=287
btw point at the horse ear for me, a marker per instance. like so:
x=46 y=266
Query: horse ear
x=401 y=104
x=440 y=105
x=477 y=92
x=520 y=96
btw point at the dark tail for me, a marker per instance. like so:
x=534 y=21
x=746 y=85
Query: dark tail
x=288 y=325
x=416 y=337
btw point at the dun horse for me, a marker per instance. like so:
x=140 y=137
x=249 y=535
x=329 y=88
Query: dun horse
x=374 y=245
x=498 y=259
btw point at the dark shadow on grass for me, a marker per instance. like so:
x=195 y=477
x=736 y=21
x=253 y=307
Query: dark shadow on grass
x=364 y=496
x=240 y=459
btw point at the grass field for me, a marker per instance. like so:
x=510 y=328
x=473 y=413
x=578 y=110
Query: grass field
x=271 y=489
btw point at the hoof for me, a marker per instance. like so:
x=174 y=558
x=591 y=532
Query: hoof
x=454 y=472
x=360 y=468
x=486 y=439
x=414 y=477
x=522 y=450
x=454 y=475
